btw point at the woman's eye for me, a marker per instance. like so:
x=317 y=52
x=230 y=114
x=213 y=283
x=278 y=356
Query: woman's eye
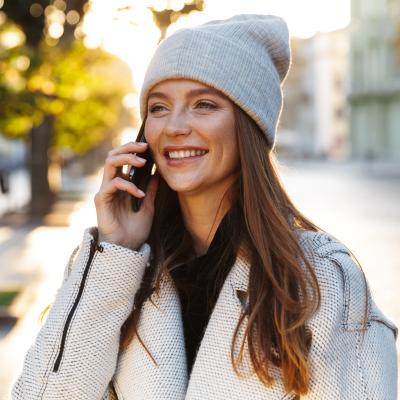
x=206 y=104
x=154 y=108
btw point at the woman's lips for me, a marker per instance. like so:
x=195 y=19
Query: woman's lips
x=183 y=161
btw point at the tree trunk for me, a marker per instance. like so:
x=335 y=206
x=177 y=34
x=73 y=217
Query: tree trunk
x=42 y=196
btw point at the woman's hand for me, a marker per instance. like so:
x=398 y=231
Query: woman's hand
x=116 y=221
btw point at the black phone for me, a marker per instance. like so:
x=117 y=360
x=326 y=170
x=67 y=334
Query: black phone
x=141 y=176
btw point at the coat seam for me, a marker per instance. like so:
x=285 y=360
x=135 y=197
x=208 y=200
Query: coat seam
x=359 y=363
x=346 y=293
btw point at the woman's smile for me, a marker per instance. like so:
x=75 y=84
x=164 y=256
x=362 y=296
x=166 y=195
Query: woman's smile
x=182 y=153
x=182 y=161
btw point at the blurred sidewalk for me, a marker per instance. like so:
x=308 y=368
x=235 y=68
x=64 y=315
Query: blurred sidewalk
x=32 y=260
x=16 y=231
x=359 y=204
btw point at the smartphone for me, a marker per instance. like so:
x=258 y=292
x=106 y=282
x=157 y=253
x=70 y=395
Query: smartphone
x=141 y=176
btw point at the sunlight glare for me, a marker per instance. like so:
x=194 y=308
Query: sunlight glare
x=304 y=18
x=129 y=34
x=56 y=30
x=12 y=38
x=130 y=100
x=159 y=5
x=127 y=135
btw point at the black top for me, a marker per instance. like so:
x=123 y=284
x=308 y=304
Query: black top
x=199 y=282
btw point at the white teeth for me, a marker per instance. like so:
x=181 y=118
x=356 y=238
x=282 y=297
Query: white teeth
x=186 y=153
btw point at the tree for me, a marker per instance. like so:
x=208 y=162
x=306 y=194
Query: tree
x=55 y=93
x=166 y=17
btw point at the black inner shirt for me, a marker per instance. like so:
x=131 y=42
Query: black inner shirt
x=199 y=281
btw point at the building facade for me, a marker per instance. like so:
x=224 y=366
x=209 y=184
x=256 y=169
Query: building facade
x=315 y=115
x=374 y=95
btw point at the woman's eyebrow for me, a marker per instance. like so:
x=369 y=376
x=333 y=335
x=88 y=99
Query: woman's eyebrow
x=191 y=93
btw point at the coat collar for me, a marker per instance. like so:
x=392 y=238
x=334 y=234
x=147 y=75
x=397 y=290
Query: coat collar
x=240 y=272
x=237 y=278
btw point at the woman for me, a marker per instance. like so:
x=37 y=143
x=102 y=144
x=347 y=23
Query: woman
x=218 y=287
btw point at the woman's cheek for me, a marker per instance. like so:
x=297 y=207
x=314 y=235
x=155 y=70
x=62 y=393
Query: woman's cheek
x=151 y=137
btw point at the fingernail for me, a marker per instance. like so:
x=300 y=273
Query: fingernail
x=142 y=193
x=142 y=144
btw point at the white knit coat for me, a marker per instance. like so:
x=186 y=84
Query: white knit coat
x=75 y=355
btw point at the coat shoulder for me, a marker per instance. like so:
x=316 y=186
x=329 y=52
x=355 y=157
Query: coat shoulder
x=345 y=292
x=318 y=241
x=343 y=285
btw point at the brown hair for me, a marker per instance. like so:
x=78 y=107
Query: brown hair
x=263 y=222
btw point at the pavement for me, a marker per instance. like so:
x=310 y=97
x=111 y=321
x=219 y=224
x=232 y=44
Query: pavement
x=357 y=203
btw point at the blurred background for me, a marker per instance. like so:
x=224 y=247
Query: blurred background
x=70 y=73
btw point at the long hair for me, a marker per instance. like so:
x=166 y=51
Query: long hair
x=283 y=294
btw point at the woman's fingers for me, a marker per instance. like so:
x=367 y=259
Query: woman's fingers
x=130 y=147
x=114 y=185
x=115 y=162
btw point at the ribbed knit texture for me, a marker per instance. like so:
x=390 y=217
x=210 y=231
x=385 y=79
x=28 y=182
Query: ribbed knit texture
x=343 y=366
x=247 y=57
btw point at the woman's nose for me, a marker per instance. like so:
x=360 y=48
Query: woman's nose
x=177 y=124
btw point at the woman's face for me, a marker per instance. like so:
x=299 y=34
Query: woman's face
x=191 y=133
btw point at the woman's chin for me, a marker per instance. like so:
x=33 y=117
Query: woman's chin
x=183 y=189
x=181 y=186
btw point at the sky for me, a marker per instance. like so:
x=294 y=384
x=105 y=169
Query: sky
x=304 y=17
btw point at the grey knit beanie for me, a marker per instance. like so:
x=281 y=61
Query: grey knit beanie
x=246 y=57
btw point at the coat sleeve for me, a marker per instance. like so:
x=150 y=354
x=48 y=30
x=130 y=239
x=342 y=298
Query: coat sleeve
x=75 y=352
x=347 y=361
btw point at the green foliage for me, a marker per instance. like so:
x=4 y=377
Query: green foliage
x=6 y=298
x=75 y=84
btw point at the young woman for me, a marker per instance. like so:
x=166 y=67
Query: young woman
x=218 y=287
